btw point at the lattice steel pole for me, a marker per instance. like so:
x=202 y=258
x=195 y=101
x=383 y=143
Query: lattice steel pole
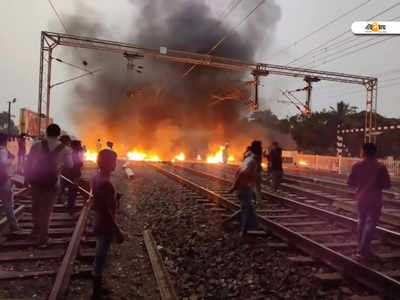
x=256 y=92
x=48 y=86
x=370 y=119
x=40 y=100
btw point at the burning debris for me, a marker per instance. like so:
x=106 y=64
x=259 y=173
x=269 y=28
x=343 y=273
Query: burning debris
x=90 y=156
x=136 y=155
x=218 y=157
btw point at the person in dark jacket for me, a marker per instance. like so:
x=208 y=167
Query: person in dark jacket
x=66 y=140
x=275 y=165
x=74 y=173
x=370 y=177
x=106 y=228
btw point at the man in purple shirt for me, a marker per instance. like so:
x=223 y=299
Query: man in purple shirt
x=369 y=177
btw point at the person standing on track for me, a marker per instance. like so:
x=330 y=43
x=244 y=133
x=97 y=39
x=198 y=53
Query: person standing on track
x=245 y=185
x=106 y=229
x=21 y=153
x=275 y=165
x=5 y=184
x=43 y=166
x=225 y=153
x=66 y=140
x=110 y=145
x=369 y=177
x=75 y=173
x=98 y=145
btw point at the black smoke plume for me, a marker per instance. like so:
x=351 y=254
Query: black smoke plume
x=158 y=110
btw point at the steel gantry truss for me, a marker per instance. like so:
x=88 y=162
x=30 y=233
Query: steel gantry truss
x=50 y=40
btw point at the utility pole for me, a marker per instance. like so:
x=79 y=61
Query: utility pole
x=9 y=116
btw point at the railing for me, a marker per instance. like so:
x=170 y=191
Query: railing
x=340 y=165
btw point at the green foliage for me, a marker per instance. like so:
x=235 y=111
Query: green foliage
x=316 y=133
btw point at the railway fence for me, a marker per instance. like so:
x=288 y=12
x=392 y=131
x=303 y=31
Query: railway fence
x=335 y=164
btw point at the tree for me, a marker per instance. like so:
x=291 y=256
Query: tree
x=342 y=110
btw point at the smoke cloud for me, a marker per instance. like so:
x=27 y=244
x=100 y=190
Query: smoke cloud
x=158 y=110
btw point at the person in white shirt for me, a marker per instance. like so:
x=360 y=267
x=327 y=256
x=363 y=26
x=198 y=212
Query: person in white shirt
x=5 y=184
x=245 y=187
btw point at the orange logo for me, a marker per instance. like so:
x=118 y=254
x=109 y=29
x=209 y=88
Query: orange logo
x=375 y=27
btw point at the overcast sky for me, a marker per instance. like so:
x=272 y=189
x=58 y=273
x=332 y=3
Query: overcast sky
x=21 y=22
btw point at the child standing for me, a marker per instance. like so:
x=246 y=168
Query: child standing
x=106 y=229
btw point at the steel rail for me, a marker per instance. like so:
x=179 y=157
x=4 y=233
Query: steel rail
x=64 y=273
x=386 y=217
x=383 y=233
x=371 y=278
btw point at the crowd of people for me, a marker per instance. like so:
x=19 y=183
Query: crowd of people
x=52 y=170
x=369 y=177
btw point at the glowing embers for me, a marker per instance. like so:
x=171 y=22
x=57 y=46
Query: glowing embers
x=302 y=163
x=218 y=157
x=179 y=157
x=142 y=156
x=90 y=156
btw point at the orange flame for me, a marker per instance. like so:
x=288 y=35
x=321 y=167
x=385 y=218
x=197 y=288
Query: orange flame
x=179 y=157
x=218 y=157
x=137 y=155
x=90 y=156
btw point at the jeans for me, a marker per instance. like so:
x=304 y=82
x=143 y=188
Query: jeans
x=276 y=176
x=43 y=199
x=103 y=245
x=248 y=218
x=72 y=191
x=368 y=217
x=21 y=162
x=8 y=204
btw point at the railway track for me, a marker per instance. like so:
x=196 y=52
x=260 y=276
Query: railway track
x=30 y=273
x=323 y=235
x=324 y=194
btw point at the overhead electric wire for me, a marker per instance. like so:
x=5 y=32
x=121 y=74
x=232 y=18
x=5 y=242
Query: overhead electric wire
x=358 y=90
x=356 y=50
x=345 y=42
x=70 y=64
x=58 y=16
x=321 y=46
x=226 y=35
x=321 y=27
x=229 y=10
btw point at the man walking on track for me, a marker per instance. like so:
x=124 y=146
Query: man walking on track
x=43 y=167
x=106 y=228
x=275 y=165
x=5 y=184
x=245 y=185
x=370 y=177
